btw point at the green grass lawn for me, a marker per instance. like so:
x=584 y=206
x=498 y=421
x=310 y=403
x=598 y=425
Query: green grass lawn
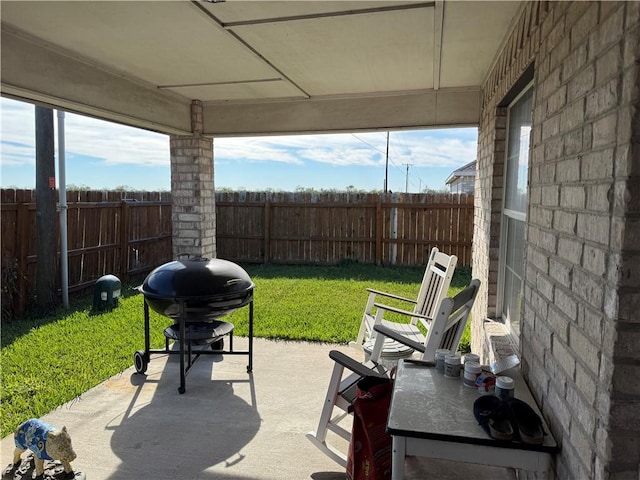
x=79 y=349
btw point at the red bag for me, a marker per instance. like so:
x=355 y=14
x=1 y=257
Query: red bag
x=369 y=455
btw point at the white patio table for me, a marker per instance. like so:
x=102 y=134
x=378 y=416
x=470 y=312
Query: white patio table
x=432 y=416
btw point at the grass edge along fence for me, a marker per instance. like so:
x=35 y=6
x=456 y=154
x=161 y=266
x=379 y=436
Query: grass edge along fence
x=130 y=233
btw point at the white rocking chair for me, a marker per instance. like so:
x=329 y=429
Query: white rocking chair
x=434 y=287
x=445 y=332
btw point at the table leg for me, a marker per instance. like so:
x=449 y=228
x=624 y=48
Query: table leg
x=399 y=446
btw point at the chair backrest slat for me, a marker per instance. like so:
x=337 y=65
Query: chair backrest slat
x=447 y=327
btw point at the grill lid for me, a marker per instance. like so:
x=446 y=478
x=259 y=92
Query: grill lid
x=197 y=277
x=207 y=287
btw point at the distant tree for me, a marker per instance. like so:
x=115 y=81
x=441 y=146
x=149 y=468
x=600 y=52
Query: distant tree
x=300 y=189
x=78 y=187
x=439 y=190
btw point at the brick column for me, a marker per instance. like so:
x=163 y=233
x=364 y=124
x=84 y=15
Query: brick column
x=193 y=211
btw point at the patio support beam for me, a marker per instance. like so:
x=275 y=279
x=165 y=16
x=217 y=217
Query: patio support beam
x=403 y=110
x=35 y=72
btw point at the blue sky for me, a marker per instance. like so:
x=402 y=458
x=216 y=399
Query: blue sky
x=105 y=155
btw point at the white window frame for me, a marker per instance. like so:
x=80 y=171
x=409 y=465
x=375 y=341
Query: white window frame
x=516 y=215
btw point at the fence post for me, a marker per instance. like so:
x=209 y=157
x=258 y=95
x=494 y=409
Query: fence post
x=267 y=231
x=124 y=239
x=393 y=217
x=22 y=232
x=379 y=231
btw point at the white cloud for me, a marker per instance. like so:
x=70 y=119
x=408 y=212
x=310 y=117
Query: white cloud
x=18 y=122
x=252 y=150
x=435 y=148
x=110 y=142
x=17 y=154
x=345 y=155
x=115 y=144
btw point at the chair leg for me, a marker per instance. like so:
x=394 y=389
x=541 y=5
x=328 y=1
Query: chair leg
x=376 y=353
x=319 y=437
x=329 y=402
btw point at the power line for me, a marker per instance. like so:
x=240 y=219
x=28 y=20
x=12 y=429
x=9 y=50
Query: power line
x=367 y=143
x=404 y=148
x=389 y=159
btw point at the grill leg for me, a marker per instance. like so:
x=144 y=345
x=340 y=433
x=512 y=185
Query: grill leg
x=250 y=366
x=147 y=342
x=183 y=312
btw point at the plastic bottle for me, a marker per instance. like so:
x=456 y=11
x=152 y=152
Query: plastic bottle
x=505 y=387
x=471 y=372
x=441 y=353
x=471 y=357
x=452 y=366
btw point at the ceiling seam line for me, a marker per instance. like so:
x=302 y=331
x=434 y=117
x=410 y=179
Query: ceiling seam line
x=265 y=60
x=261 y=57
x=437 y=50
x=313 y=16
x=213 y=84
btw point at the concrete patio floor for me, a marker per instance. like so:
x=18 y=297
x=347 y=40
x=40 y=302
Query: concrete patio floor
x=229 y=425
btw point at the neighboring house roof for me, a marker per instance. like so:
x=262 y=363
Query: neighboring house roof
x=468 y=170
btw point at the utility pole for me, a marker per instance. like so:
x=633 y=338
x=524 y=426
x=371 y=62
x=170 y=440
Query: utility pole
x=45 y=209
x=406 y=182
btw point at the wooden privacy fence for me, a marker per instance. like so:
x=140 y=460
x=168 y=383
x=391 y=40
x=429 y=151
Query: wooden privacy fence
x=325 y=228
x=107 y=233
x=130 y=233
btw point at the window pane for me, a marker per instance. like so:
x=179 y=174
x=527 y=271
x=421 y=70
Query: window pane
x=514 y=302
x=515 y=208
x=515 y=246
x=518 y=154
x=513 y=268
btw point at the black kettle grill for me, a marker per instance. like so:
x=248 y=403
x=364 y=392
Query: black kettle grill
x=195 y=292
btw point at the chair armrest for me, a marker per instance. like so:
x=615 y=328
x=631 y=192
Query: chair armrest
x=388 y=332
x=389 y=308
x=390 y=295
x=351 y=364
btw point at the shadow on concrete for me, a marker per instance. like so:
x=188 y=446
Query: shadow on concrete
x=229 y=425
x=182 y=436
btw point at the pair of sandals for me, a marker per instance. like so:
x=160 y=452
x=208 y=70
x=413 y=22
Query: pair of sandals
x=507 y=420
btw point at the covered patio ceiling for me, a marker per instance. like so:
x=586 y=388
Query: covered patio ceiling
x=259 y=67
